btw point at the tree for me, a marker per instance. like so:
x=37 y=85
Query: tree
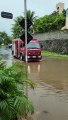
x=50 y=22
x=30 y=15
x=32 y=18
x=64 y=13
x=17 y=29
x=13 y=102
x=4 y=38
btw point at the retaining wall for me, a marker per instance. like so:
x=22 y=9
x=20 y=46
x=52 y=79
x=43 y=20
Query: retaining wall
x=56 y=41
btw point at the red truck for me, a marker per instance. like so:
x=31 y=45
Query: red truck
x=33 y=50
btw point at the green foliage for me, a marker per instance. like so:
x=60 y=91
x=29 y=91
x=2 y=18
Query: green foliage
x=4 y=38
x=17 y=29
x=64 y=12
x=49 y=22
x=54 y=21
x=30 y=15
x=13 y=102
x=53 y=54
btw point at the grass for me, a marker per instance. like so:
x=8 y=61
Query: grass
x=53 y=54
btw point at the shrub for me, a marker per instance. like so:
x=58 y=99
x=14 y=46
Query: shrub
x=13 y=101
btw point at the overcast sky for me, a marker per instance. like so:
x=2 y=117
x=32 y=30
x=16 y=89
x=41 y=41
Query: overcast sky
x=41 y=8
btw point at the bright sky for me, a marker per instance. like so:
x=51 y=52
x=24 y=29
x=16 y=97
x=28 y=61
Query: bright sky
x=41 y=8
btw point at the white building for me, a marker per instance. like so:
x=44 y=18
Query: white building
x=60 y=7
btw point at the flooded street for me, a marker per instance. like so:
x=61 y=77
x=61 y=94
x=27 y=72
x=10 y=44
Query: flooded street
x=50 y=97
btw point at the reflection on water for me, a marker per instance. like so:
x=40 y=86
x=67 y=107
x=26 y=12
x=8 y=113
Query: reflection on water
x=51 y=71
x=30 y=69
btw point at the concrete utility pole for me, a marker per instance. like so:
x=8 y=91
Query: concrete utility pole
x=26 y=59
x=25 y=13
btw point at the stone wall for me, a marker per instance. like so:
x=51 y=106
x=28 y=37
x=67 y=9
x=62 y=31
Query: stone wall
x=55 y=35
x=58 y=46
x=56 y=41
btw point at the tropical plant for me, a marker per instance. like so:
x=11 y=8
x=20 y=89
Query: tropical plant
x=17 y=29
x=30 y=15
x=13 y=101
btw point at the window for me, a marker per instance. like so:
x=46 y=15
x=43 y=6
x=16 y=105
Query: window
x=33 y=45
x=57 y=8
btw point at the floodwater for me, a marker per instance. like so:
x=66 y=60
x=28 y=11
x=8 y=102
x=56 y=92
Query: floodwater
x=50 y=97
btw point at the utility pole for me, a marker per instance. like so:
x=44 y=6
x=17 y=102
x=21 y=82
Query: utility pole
x=26 y=59
x=25 y=13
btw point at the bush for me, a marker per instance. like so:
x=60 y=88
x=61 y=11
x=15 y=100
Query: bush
x=13 y=101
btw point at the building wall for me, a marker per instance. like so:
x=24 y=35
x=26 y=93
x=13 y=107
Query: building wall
x=60 y=7
x=67 y=17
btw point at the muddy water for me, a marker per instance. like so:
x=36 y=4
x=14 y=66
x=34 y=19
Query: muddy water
x=50 y=96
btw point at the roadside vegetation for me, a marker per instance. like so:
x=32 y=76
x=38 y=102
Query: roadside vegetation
x=54 y=21
x=4 y=38
x=53 y=54
x=17 y=30
x=47 y=23
x=13 y=101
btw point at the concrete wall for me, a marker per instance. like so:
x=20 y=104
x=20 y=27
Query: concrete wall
x=56 y=41
x=55 y=35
